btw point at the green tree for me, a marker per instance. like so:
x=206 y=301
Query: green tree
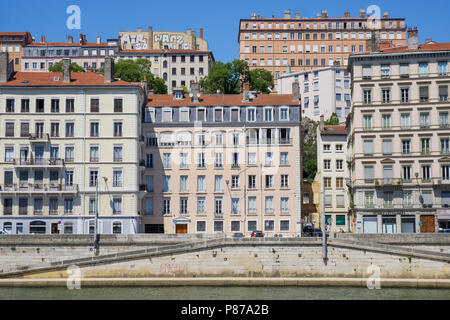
x=260 y=80
x=74 y=67
x=128 y=70
x=333 y=121
x=229 y=78
x=309 y=157
x=158 y=85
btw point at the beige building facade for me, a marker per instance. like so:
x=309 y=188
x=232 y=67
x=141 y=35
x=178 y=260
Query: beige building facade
x=62 y=135
x=221 y=164
x=399 y=139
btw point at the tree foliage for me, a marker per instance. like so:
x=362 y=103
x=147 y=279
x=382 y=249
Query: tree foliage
x=158 y=85
x=74 y=67
x=333 y=121
x=229 y=78
x=309 y=158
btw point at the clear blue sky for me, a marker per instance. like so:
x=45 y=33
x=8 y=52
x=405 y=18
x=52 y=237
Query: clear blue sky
x=219 y=18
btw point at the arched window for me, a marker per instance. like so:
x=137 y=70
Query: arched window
x=117 y=227
x=165 y=76
x=165 y=64
x=38 y=227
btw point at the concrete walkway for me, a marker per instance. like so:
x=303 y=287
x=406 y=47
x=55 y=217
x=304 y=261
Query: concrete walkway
x=228 y=282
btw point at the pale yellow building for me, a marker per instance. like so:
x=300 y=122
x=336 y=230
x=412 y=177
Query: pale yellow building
x=61 y=135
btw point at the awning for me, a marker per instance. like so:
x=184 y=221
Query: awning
x=181 y=220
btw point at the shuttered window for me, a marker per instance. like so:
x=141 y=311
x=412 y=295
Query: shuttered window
x=24 y=129
x=95 y=105
x=368 y=147
x=9 y=129
x=368 y=174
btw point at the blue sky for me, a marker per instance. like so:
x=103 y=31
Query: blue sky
x=220 y=19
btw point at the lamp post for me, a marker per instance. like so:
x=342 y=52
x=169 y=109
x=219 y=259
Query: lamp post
x=324 y=231
x=96 y=235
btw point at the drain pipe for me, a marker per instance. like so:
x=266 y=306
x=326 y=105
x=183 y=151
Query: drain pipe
x=324 y=231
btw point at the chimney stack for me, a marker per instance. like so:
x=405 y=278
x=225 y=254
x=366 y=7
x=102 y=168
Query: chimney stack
x=109 y=70
x=373 y=44
x=194 y=41
x=287 y=14
x=201 y=33
x=69 y=39
x=324 y=14
x=4 y=62
x=66 y=70
x=429 y=40
x=386 y=15
x=295 y=92
x=362 y=13
x=297 y=15
x=99 y=40
x=322 y=123
x=139 y=29
x=195 y=92
x=42 y=39
x=413 y=40
x=245 y=92
x=347 y=14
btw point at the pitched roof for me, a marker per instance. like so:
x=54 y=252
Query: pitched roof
x=47 y=79
x=422 y=48
x=334 y=130
x=163 y=100
x=163 y=51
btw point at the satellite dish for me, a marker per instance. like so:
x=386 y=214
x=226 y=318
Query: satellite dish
x=198 y=95
x=191 y=95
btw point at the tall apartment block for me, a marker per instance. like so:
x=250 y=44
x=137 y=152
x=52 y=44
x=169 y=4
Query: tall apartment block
x=324 y=91
x=13 y=43
x=222 y=163
x=332 y=171
x=40 y=56
x=307 y=43
x=399 y=138
x=177 y=57
x=68 y=142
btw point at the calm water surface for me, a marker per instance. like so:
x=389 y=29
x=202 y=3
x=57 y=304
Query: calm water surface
x=222 y=293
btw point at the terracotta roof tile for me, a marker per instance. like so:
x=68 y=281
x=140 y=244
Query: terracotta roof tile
x=162 y=51
x=46 y=79
x=163 y=100
x=422 y=47
x=334 y=130
x=68 y=44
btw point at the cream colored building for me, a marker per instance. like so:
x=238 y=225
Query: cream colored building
x=61 y=135
x=221 y=164
x=332 y=170
x=399 y=138
x=177 y=57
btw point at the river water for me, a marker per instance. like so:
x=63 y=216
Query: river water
x=223 y=293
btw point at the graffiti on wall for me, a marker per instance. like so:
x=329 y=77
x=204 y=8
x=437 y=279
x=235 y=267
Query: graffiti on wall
x=172 y=267
x=133 y=42
x=172 y=41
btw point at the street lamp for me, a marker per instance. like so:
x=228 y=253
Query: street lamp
x=96 y=235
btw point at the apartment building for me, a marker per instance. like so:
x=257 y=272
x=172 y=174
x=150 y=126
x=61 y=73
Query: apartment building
x=221 y=163
x=13 y=43
x=332 y=171
x=324 y=91
x=176 y=67
x=177 y=57
x=309 y=43
x=399 y=138
x=40 y=56
x=69 y=143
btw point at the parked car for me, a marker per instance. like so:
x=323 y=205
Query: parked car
x=441 y=230
x=238 y=235
x=310 y=232
x=257 y=234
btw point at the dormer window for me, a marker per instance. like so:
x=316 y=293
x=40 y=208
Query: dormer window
x=178 y=93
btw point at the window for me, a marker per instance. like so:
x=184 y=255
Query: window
x=9 y=105
x=284 y=181
x=445 y=169
x=426 y=173
x=269 y=204
x=218 y=160
x=93 y=154
x=340 y=202
x=405 y=121
x=167 y=161
x=423 y=93
x=25 y=105
x=24 y=129
x=445 y=146
x=386 y=121
x=117 y=227
x=252 y=159
x=117 y=154
x=117 y=178
x=54 y=105
x=406 y=173
x=424 y=120
x=166 y=184
x=442 y=67
x=218 y=183
x=54 y=129
x=404 y=95
x=386 y=95
x=218 y=206
x=404 y=70
x=118 y=105
x=367 y=122
x=368 y=196
x=252 y=182
x=423 y=69
x=149 y=207
x=385 y=71
x=93 y=178
x=201 y=205
x=339 y=164
x=251 y=115
x=235 y=182
x=70 y=129
x=443 y=93
x=268 y=114
x=327 y=182
x=183 y=205
x=368 y=174
x=327 y=164
x=269 y=181
x=367 y=72
x=166 y=206
x=368 y=147
x=367 y=95
x=94 y=129
x=218 y=226
x=235 y=206
x=443 y=119
x=201 y=226
x=95 y=105
x=201 y=160
x=406 y=146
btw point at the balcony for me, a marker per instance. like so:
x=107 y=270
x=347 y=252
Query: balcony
x=382 y=206
x=441 y=182
x=38 y=162
x=24 y=187
x=218 y=215
x=39 y=138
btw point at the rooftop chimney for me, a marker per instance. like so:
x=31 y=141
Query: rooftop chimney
x=69 y=39
x=139 y=29
x=66 y=70
x=413 y=41
x=347 y=14
x=322 y=123
x=42 y=39
x=324 y=14
x=297 y=15
x=429 y=40
x=386 y=15
x=195 y=92
x=362 y=13
x=287 y=14
x=109 y=69
x=4 y=67
x=201 y=33
x=194 y=41
x=144 y=85
x=253 y=15
x=99 y=39
x=295 y=92
x=245 y=92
